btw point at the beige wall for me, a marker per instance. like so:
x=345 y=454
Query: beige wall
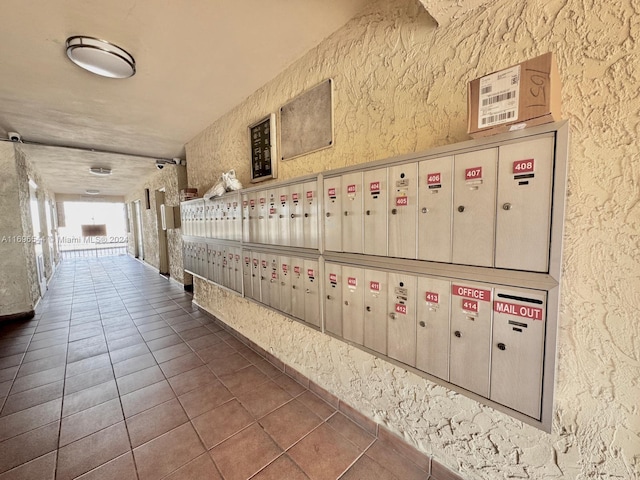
x=400 y=86
x=172 y=178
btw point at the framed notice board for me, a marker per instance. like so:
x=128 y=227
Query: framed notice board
x=262 y=138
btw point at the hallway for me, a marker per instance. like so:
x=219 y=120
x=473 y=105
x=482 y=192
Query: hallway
x=118 y=376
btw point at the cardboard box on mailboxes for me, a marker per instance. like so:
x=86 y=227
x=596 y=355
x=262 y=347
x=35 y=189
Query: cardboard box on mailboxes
x=517 y=97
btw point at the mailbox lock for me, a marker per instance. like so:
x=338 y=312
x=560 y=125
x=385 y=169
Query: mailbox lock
x=282 y=216
x=294 y=287
x=502 y=346
x=328 y=297
x=393 y=316
x=293 y=215
x=328 y=214
x=368 y=308
x=346 y=302
x=308 y=291
x=425 y=210
x=394 y=211
x=422 y=324
x=306 y=215
x=457 y=333
x=368 y=212
x=506 y=206
x=282 y=283
x=346 y=214
x=461 y=208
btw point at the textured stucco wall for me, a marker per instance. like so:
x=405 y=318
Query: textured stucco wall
x=14 y=294
x=172 y=178
x=400 y=86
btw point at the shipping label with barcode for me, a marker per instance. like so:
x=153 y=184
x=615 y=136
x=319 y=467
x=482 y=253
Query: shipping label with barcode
x=498 y=102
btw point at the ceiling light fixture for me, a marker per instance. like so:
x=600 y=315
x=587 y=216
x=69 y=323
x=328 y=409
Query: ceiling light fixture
x=101 y=171
x=92 y=192
x=100 y=57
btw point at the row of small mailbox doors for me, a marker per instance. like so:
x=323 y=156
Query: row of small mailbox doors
x=488 y=208
x=484 y=338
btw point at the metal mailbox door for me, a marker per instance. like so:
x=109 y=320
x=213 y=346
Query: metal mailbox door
x=214 y=219
x=402 y=318
x=224 y=266
x=312 y=292
x=284 y=221
x=310 y=212
x=435 y=197
x=272 y=217
x=333 y=214
x=263 y=214
x=352 y=212
x=274 y=281
x=237 y=267
x=208 y=219
x=253 y=217
x=517 y=355
x=211 y=264
x=525 y=178
x=265 y=278
x=474 y=207
x=403 y=207
x=434 y=296
x=470 y=337
x=217 y=265
x=246 y=218
x=353 y=286
x=255 y=276
x=228 y=219
x=203 y=260
x=333 y=298
x=376 y=194
x=297 y=288
x=230 y=274
x=246 y=274
x=236 y=219
x=285 y=273
x=296 y=215
x=375 y=310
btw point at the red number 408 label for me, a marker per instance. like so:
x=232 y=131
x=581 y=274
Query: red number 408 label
x=523 y=166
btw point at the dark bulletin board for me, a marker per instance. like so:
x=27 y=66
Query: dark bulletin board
x=262 y=138
x=306 y=122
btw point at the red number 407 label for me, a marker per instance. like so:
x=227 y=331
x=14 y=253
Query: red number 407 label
x=474 y=173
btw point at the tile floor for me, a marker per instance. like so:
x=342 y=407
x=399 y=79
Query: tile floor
x=119 y=377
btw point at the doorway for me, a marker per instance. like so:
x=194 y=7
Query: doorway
x=163 y=250
x=137 y=230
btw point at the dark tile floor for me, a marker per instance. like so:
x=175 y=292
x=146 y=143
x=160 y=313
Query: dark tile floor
x=119 y=377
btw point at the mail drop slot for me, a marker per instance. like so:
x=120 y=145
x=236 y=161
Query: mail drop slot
x=519 y=321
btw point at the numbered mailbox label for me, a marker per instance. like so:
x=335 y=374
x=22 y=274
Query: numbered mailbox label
x=352 y=282
x=351 y=189
x=402 y=201
x=434 y=180
x=432 y=298
x=472 y=174
x=374 y=287
x=470 y=305
x=523 y=166
x=401 y=309
x=374 y=188
x=331 y=193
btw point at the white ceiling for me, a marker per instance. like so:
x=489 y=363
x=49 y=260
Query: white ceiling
x=195 y=61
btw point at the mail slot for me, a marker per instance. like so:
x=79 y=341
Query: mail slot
x=333 y=214
x=525 y=176
x=401 y=309
x=474 y=207
x=432 y=356
x=517 y=352
x=470 y=336
x=435 y=197
x=352 y=212
x=376 y=196
x=333 y=298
